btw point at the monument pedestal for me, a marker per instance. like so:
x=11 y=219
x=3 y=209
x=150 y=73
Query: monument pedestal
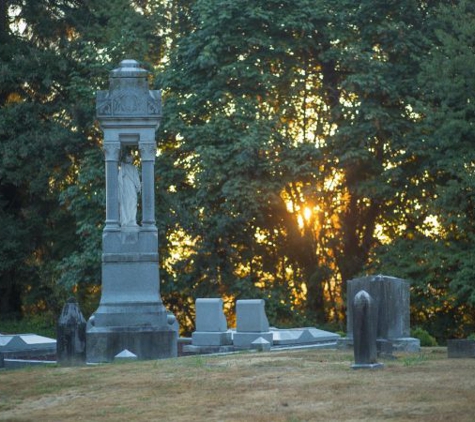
x=405 y=344
x=131 y=315
x=103 y=343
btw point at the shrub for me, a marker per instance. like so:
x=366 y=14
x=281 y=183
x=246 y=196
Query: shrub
x=37 y=324
x=426 y=339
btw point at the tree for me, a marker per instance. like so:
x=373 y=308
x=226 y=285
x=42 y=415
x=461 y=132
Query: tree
x=436 y=251
x=296 y=123
x=56 y=56
x=240 y=133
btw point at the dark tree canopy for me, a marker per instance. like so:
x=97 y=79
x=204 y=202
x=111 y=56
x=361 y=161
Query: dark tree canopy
x=304 y=143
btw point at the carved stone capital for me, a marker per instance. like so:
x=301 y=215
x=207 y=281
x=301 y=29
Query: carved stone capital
x=111 y=151
x=148 y=151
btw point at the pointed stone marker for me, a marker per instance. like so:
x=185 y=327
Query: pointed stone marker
x=261 y=344
x=125 y=355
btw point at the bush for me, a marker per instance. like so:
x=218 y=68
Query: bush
x=426 y=339
x=41 y=325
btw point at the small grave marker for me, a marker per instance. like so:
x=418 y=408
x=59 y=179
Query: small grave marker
x=364 y=332
x=71 y=335
x=251 y=323
x=461 y=348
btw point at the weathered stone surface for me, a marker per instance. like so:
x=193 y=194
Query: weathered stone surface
x=173 y=322
x=392 y=300
x=251 y=316
x=124 y=356
x=190 y=349
x=251 y=323
x=71 y=335
x=209 y=315
x=129 y=96
x=385 y=348
x=300 y=336
x=261 y=344
x=406 y=344
x=211 y=325
x=391 y=296
x=204 y=338
x=145 y=342
x=26 y=346
x=244 y=340
x=364 y=331
x=131 y=314
x=461 y=348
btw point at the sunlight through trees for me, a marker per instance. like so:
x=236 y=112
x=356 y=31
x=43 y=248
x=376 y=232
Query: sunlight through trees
x=304 y=143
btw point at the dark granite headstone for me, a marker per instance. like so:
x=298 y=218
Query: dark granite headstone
x=392 y=299
x=365 y=324
x=462 y=348
x=391 y=296
x=71 y=331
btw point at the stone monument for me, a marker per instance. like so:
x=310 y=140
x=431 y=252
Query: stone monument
x=71 y=335
x=211 y=325
x=131 y=315
x=364 y=331
x=461 y=348
x=251 y=323
x=392 y=299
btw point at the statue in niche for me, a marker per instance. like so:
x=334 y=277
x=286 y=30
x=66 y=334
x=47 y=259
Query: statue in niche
x=129 y=187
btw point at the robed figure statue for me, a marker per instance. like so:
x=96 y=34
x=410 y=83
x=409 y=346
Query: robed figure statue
x=129 y=187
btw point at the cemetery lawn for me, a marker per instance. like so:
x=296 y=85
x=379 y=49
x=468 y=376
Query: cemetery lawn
x=304 y=385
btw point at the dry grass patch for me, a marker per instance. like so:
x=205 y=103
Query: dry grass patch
x=291 y=386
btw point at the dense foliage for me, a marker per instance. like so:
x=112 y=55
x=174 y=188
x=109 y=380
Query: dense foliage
x=304 y=143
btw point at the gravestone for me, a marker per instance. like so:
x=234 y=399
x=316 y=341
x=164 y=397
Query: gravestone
x=461 y=348
x=71 y=335
x=251 y=323
x=131 y=315
x=211 y=325
x=364 y=331
x=392 y=300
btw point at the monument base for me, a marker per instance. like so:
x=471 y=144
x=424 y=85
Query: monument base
x=189 y=349
x=104 y=343
x=403 y=344
x=406 y=344
x=204 y=338
x=367 y=366
x=243 y=340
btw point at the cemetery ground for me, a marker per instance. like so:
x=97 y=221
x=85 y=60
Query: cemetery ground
x=302 y=385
